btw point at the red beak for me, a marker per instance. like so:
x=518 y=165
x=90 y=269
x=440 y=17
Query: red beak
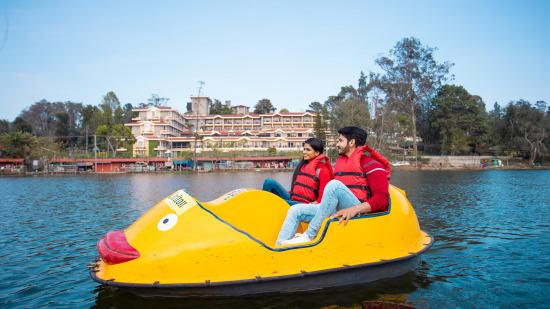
x=115 y=249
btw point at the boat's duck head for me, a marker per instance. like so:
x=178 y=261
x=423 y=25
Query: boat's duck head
x=114 y=248
x=160 y=228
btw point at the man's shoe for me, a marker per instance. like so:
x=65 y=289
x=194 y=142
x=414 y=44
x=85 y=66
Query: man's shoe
x=298 y=239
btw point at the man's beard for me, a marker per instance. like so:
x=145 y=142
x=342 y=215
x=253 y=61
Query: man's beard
x=344 y=150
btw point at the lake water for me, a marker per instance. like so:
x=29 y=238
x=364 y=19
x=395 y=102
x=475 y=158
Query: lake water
x=492 y=233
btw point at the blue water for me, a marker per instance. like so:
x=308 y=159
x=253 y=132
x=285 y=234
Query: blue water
x=491 y=228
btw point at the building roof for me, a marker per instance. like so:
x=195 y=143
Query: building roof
x=17 y=160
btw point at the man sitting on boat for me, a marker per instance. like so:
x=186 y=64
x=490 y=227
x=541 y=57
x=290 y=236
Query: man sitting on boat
x=360 y=186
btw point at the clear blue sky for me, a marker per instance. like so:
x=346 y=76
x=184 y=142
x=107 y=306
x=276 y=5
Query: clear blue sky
x=291 y=52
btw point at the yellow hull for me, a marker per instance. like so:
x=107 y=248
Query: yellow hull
x=230 y=241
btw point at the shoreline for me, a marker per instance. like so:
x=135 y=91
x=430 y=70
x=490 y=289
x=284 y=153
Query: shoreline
x=282 y=170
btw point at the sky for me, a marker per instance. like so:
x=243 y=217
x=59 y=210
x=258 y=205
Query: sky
x=290 y=52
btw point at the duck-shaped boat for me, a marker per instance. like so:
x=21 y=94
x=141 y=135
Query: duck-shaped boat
x=226 y=247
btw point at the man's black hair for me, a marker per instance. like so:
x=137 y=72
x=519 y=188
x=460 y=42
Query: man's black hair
x=358 y=134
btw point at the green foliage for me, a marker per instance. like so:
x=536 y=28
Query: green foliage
x=272 y=151
x=284 y=110
x=152 y=146
x=348 y=110
x=4 y=126
x=526 y=129
x=456 y=119
x=226 y=111
x=264 y=106
x=320 y=122
x=17 y=144
x=20 y=124
x=216 y=107
x=411 y=78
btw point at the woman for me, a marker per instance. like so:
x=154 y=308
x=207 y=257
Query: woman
x=310 y=177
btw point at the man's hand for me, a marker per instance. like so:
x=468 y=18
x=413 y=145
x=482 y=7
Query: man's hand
x=345 y=214
x=314 y=202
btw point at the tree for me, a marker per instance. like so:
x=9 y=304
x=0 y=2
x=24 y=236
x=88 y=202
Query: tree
x=62 y=130
x=283 y=110
x=128 y=113
x=42 y=117
x=87 y=115
x=216 y=107
x=320 y=122
x=121 y=135
x=116 y=136
x=313 y=106
x=348 y=110
x=264 y=106
x=108 y=106
x=4 y=126
x=411 y=78
x=155 y=100
x=20 y=124
x=226 y=110
x=457 y=119
x=17 y=144
x=527 y=129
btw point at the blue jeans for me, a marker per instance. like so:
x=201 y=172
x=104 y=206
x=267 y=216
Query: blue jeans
x=335 y=197
x=271 y=185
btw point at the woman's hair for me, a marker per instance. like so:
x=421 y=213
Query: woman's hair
x=317 y=145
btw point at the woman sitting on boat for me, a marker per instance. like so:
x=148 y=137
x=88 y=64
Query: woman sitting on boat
x=310 y=177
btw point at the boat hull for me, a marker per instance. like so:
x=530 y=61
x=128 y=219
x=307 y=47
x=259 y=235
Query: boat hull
x=302 y=282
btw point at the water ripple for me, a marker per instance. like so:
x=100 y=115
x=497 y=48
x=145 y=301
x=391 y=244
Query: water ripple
x=491 y=232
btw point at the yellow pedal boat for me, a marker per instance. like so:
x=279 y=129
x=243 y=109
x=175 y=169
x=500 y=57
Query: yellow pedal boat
x=226 y=247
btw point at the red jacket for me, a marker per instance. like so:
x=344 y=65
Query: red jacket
x=308 y=187
x=365 y=176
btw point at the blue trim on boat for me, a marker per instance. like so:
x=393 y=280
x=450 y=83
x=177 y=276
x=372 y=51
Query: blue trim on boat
x=297 y=246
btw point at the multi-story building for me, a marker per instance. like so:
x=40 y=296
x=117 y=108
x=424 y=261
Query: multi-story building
x=199 y=106
x=164 y=132
x=155 y=124
x=240 y=109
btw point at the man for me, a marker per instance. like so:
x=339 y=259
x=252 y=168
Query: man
x=360 y=186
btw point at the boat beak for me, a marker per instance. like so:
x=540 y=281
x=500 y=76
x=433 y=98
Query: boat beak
x=115 y=249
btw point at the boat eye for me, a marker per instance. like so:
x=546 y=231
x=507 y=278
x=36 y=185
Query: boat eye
x=167 y=222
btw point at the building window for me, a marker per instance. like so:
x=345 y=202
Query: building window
x=153 y=113
x=140 y=143
x=147 y=127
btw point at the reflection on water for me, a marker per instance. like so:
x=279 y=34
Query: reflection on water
x=491 y=232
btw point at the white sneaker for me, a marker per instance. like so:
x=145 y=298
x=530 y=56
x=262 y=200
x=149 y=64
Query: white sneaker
x=298 y=239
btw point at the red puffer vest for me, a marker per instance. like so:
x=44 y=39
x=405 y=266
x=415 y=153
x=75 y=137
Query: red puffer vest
x=350 y=172
x=306 y=186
